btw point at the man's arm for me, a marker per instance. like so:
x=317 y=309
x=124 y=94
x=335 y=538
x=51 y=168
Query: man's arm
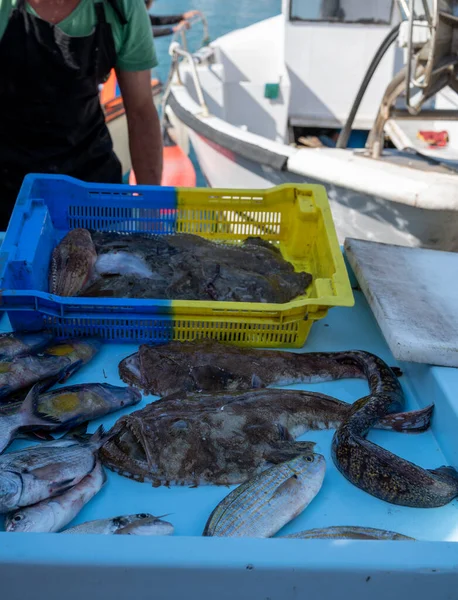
x=145 y=139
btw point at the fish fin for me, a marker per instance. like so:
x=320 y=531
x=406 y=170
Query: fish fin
x=287 y=487
x=287 y=451
x=30 y=412
x=447 y=473
x=414 y=421
x=397 y=371
x=79 y=432
x=70 y=370
x=101 y=437
x=256 y=382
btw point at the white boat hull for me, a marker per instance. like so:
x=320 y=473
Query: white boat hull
x=355 y=214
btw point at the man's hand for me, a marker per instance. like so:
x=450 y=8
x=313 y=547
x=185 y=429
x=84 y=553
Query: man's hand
x=181 y=26
x=145 y=139
x=191 y=13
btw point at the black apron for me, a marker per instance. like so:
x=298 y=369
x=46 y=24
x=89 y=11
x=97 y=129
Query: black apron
x=51 y=120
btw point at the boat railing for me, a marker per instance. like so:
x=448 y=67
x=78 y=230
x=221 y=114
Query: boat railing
x=179 y=54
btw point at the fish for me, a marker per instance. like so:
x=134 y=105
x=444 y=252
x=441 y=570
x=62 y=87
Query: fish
x=377 y=471
x=263 y=505
x=347 y=533
x=111 y=526
x=36 y=473
x=60 y=359
x=211 y=366
x=72 y=263
x=13 y=345
x=53 y=514
x=63 y=408
x=222 y=438
x=151 y=526
x=190 y=267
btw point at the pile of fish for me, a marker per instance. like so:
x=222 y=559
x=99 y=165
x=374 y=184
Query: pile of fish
x=190 y=437
x=44 y=487
x=179 y=267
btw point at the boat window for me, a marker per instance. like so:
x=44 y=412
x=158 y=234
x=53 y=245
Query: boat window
x=342 y=11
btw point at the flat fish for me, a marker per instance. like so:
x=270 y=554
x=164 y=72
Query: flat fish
x=63 y=408
x=347 y=533
x=113 y=525
x=58 y=361
x=211 y=366
x=72 y=263
x=262 y=506
x=53 y=514
x=13 y=345
x=222 y=438
x=33 y=474
x=190 y=267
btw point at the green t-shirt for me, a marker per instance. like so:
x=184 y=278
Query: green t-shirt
x=134 y=41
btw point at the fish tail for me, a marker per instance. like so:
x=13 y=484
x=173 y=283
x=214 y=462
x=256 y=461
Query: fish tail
x=414 y=421
x=100 y=437
x=448 y=474
x=30 y=412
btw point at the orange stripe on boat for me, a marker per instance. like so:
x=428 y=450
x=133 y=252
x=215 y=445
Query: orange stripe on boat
x=178 y=169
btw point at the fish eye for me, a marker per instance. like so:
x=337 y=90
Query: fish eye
x=18 y=518
x=142 y=516
x=122 y=402
x=309 y=458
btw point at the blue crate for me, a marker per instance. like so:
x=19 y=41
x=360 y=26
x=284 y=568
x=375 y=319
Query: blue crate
x=47 y=207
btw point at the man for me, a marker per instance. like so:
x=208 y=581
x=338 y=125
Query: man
x=54 y=54
x=180 y=21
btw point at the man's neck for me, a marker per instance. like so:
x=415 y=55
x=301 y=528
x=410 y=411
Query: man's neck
x=54 y=11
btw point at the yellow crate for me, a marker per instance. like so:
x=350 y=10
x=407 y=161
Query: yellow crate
x=298 y=220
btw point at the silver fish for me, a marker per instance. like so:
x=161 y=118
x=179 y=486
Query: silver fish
x=59 y=360
x=262 y=506
x=151 y=526
x=53 y=514
x=347 y=533
x=31 y=475
x=109 y=526
x=63 y=408
x=21 y=344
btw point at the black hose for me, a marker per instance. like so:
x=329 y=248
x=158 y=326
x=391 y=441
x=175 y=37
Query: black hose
x=346 y=131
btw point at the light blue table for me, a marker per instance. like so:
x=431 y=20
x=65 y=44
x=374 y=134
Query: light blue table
x=188 y=566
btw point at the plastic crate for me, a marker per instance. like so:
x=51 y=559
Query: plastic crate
x=296 y=218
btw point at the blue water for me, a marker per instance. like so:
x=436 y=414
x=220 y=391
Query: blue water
x=222 y=18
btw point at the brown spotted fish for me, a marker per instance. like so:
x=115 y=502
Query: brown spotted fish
x=220 y=438
x=72 y=263
x=211 y=366
x=378 y=471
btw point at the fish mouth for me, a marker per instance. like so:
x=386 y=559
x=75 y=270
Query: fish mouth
x=126 y=453
x=129 y=370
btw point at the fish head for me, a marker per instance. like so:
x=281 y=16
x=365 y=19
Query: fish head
x=310 y=469
x=39 y=517
x=129 y=370
x=10 y=490
x=121 y=397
